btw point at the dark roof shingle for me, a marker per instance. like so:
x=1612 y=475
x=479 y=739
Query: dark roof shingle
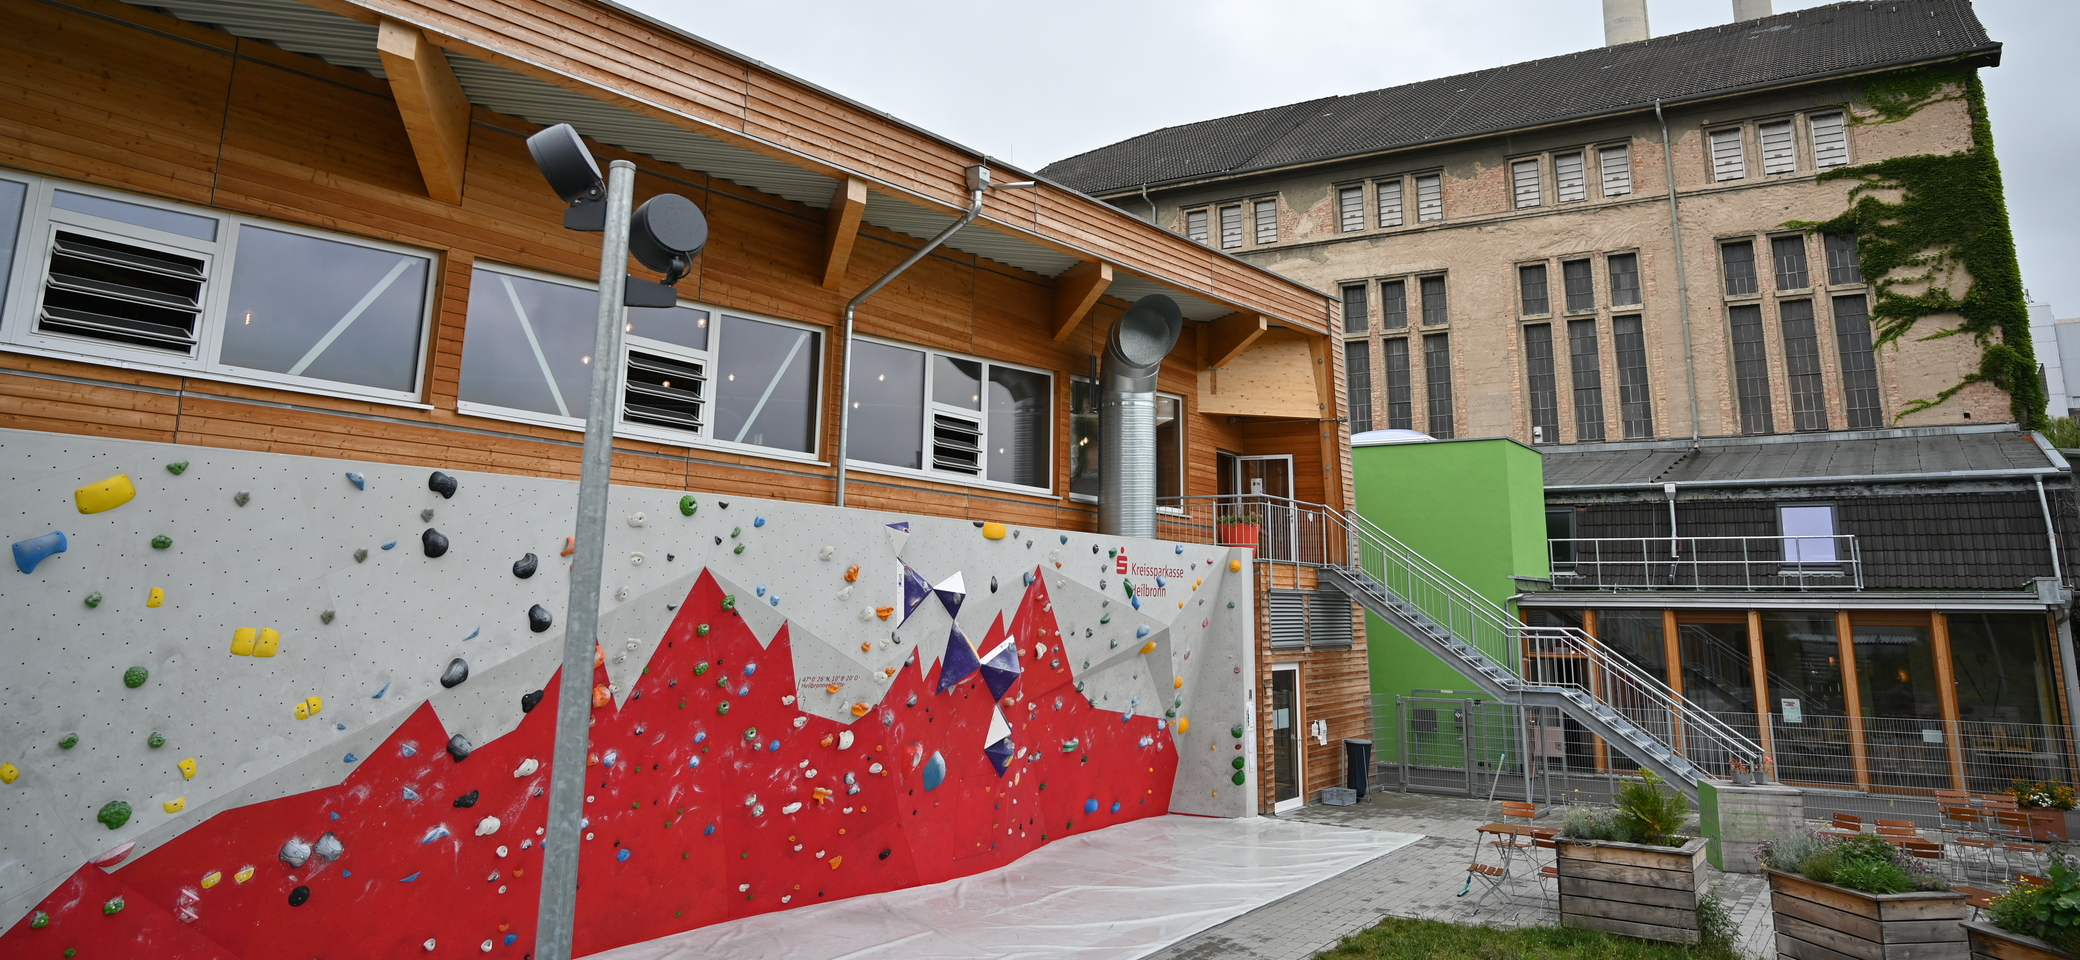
x=1902 y=452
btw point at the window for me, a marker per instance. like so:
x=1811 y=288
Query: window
x=690 y=374
x=1779 y=155
x=1434 y=313
x=1231 y=228
x=1169 y=447
x=1350 y=209
x=159 y=286
x=1560 y=541
x=1266 y=212
x=1437 y=383
x=1393 y=304
x=1624 y=271
x=1429 y=198
x=1616 y=164
x=1583 y=364
x=1355 y=316
x=1581 y=287
x=1809 y=532
x=1523 y=176
x=1789 y=254
x=1634 y=406
x=1830 y=141
x=1531 y=287
x=1544 y=399
x=1852 y=333
x=888 y=412
x=1739 y=262
x=1843 y=265
x=1729 y=158
x=1570 y=181
x=1802 y=365
x=1389 y=203
x=1085 y=479
x=1357 y=378
x=1399 y=416
x=1750 y=369
x=1195 y=226
x=972 y=418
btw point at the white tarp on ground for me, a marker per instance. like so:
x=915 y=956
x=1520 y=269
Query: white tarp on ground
x=1118 y=894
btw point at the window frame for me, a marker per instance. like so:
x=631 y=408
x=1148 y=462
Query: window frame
x=1221 y=211
x=1184 y=458
x=1527 y=193
x=1256 y=221
x=1423 y=298
x=1379 y=201
x=1581 y=160
x=1055 y=408
x=1205 y=215
x=1545 y=286
x=1813 y=137
x=1610 y=276
x=1363 y=288
x=1437 y=178
x=1350 y=220
x=1834 y=534
x=32 y=257
x=1602 y=179
x=1711 y=156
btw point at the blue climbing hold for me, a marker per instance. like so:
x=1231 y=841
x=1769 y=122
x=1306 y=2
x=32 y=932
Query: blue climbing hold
x=1115 y=806
x=512 y=938
x=349 y=758
x=622 y=854
x=709 y=832
x=339 y=726
x=1090 y=806
x=1141 y=631
x=693 y=761
x=408 y=750
x=1065 y=538
x=744 y=691
x=1180 y=548
x=335 y=814
x=409 y=879
x=774 y=746
x=379 y=693
x=435 y=834
x=775 y=598
x=609 y=757
x=28 y=553
x=700 y=736
x=390 y=546
x=360 y=482
x=1029 y=578
x=750 y=668
x=761 y=589
x=410 y=794
x=758 y=521
x=473 y=633
x=1162 y=582
x=1137 y=603
x=934 y=771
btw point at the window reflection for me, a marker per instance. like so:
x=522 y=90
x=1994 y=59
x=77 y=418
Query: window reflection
x=333 y=311
x=527 y=343
x=767 y=392
x=1018 y=427
x=887 y=405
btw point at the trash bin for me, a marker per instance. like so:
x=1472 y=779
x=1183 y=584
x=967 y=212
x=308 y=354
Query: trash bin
x=1357 y=762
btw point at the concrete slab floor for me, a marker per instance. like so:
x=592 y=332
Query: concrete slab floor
x=1420 y=881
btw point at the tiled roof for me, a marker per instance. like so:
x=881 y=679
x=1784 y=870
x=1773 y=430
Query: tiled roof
x=1918 y=452
x=1786 y=48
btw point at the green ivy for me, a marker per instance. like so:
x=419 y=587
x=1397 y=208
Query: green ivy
x=1951 y=215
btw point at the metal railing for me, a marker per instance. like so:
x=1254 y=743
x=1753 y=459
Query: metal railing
x=1481 y=633
x=1708 y=563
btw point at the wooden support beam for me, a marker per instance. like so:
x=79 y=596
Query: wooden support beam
x=841 y=228
x=1075 y=292
x=1231 y=335
x=1853 y=695
x=1758 y=673
x=1946 y=694
x=435 y=110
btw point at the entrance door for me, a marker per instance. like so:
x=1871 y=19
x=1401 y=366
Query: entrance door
x=1262 y=486
x=1285 y=738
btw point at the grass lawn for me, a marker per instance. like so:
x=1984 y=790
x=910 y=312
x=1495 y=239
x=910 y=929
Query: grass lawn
x=1397 y=939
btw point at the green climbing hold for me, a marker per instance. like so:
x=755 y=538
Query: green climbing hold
x=701 y=667
x=71 y=740
x=40 y=920
x=1231 y=604
x=1238 y=763
x=687 y=506
x=161 y=542
x=722 y=707
x=736 y=532
x=114 y=814
x=112 y=907
x=1105 y=619
x=156 y=740
x=1235 y=731
x=71 y=952
x=177 y=468
x=1170 y=713
x=729 y=602
x=94 y=599
x=739 y=549
x=701 y=631
x=1112 y=552
x=750 y=733
x=135 y=677
x=1239 y=778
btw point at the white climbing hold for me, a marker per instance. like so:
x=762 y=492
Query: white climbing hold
x=743 y=888
x=786 y=700
x=527 y=767
x=485 y=946
x=621 y=594
x=637 y=519
x=874 y=768
x=502 y=851
x=826 y=553
x=844 y=739
x=487 y=826
x=811 y=774
x=800 y=722
x=845 y=593
x=636 y=558
x=428 y=944
x=792 y=807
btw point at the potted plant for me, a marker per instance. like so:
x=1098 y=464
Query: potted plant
x=2032 y=922
x=1743 y=775
x=1861 y=897
x=2046 y=802
x=1630 y=870
x=1239 y=529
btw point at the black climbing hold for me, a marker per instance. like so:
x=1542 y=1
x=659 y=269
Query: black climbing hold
x=978 y=524
x=718 y=541
x=884 y=853
x=434 y=542
x=459 y=747
x=525 y=566
x=724 y=504
x=458 y=671
x=302 y=895
x=538 y=618
x=467 y=800
x=668 y=558
x=442 y=484
x=992 y=584
x=529 y=701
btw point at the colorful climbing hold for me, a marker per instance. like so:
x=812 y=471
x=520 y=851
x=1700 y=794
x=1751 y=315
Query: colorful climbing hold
x=177 y=467
x=852 y=573
x=442 y=484
x=28 y=553
x=392 y=545
x=687 y=506
x=1177 y=684
x=1234 y=566
x=309 y=707
x=1149 y=647
x=114 y=814
x=934 y=771
x=106 y=495
x=69 y=741
x=187 y=768
x=458 y=671
x=113 y=906
x=135 y=677
x=758 y=521
x=156 y=740
x=9 y=772
x=433 y=542
x=700 y=631
x=157 y=597
x=538 y=618
x=161 y=542
x=93 y=599
x=360 y=482
x=993 y=531
x=1239 y=778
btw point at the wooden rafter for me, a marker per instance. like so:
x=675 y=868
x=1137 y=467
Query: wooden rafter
x=1076 y=291
x=1231 y=335
x=841 y=228
x=435 y=110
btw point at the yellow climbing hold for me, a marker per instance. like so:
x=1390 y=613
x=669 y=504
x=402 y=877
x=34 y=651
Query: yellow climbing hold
x=106 y=495
x=1177 y=684
x=1234 y=566
x=8 y=772
x=1183 y=724
x=212 y=878
x=187 y=768
x=269 y=643
x=244 y=873
x=309 y=707
x=175 y=805
x=156 y=597
x=993 y=531
x=1149 y=647
x=255 y=642
x=242 y=641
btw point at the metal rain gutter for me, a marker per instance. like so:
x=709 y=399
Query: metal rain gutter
x=2034 y=472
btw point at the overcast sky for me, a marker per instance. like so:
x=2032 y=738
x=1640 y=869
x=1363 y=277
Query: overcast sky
x=1037 y=83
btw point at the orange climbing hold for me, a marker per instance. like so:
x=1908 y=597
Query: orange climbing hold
x=836 y=861
x=860 y=709
x=833 y=688
x=884 y=612
x=821 y=795
x=852 y=573
x=601 y=696
x=570 y=546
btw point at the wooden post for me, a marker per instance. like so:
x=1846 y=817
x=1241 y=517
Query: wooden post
x=1672 y=649
x=1946 y=691
x=1603 y=750
x=1758 y=668
x=1845 y=641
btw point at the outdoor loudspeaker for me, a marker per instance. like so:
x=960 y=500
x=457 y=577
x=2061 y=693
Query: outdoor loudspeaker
x=563 y=160
x=667 y=233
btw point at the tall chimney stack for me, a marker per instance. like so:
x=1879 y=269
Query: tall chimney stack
x=1742 y=10
x=1625 y=21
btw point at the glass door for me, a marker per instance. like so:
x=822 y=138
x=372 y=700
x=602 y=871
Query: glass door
x=1285 y=738
x=1267 y=483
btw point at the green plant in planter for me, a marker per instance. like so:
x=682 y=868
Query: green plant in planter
x=2050 y=912
x=1866 y=863
x=1642 y=813
x=1240 y=520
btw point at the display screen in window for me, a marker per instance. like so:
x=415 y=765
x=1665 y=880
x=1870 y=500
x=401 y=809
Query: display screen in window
x=1019 y=417
x=766 y=394
x=330 y=311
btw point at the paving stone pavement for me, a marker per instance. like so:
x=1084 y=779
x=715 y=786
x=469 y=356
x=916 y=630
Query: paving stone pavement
x=1421 y=880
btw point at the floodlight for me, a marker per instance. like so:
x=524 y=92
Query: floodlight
x=568 y=166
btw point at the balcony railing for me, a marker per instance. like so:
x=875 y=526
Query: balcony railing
x=1708 y=563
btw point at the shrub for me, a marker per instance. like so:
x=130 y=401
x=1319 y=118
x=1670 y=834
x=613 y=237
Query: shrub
x=1864 y=863
x=2050 y=912
x=1715 y=927
x=1647 y=814
x=1589 y=823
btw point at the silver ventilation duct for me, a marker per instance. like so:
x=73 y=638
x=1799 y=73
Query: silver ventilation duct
x=1134 y=352
x=1751 y=10
x=1624 y=21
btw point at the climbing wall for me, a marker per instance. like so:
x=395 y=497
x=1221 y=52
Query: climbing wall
x=255 y=702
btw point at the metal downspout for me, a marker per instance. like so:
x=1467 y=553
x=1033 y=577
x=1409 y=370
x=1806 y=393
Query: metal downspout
x=978 y=184
x=2050 y=532
x=1675 y=226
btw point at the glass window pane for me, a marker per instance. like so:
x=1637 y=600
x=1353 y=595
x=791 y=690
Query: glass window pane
x=2003 y=668
x=1524 y=180
x=766 y=391
x=1357 y=379
x=11 y=194
x=1434 y=311
x=1429 y=198
x=1637 y=636
x=1169 y=447
x=1896 y=675
x=1739 y=261
x=1195 y=226
x=1843 y=265
x=1789 y=253
x=1813 y=526
x=1390 y=203
x=1587 y=370
x=1543 y=397
x=1393 y=304
x=327 y=310
x=1617 y=171
x=1531 y=285
x=957 y=383
x=1581 y=285
x=1569 y=178
x=1802 y=365
x=528 y=344
x=1852 y=329
x=1400 y=414
x=1018 y=427
x=1437 y=378
x=887 y=405
x=1350 y=203
x=1083 y=438
x=1355 y=316
x=684 y=326
x=1624 y=269
x=1716 y=671
x=1751 y=370
x=137 y=214
x=1802 y=657
x=1635 y=407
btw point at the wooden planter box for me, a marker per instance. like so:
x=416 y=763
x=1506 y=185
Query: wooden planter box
x=2047 y=824
x=1820 y=921
x=1631 y=888
x=1989 y=942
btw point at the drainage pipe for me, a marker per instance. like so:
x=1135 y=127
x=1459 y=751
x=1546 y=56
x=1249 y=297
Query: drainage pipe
x=1675 y=226
x=1134 y=353
x=2051 y=532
